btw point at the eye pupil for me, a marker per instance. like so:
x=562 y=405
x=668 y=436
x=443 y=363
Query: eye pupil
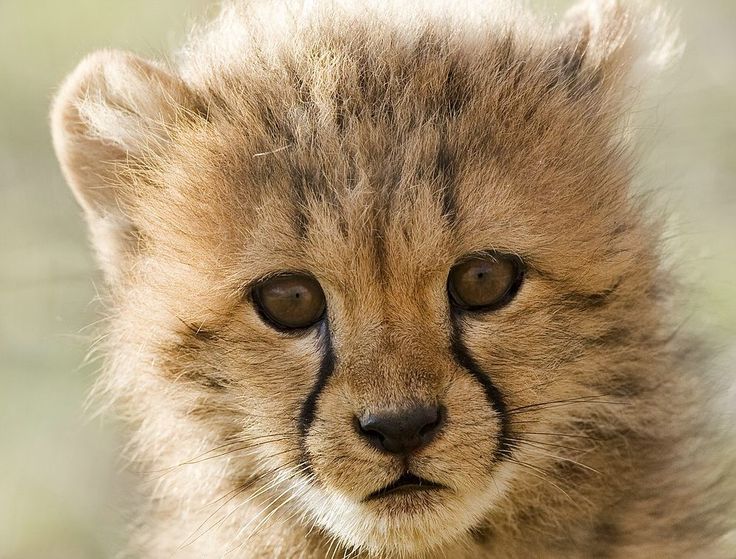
x=484 y=282
x=290 y=301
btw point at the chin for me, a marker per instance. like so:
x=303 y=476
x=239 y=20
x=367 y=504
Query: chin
x=403 y=523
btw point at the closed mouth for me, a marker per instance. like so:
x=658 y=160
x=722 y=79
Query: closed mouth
x=407 y=483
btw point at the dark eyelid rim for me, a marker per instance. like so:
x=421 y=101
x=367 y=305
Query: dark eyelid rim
x=522 y=271
x=250 y=293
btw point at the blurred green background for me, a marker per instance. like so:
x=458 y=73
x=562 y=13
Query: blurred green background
x=62 y=494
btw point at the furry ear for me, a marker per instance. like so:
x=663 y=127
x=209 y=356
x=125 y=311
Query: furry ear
x=114 y=108
x=616 y=43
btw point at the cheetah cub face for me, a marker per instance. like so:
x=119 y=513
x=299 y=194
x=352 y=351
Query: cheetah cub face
x=386 y=264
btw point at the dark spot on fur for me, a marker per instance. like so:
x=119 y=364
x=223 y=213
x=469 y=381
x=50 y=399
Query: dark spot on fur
x=571 y=61
x=275 y=126
x=341 y=115
x=595 y=300
x=445 y=171
x=212 y=382
x=200 y=375
x=614 y=336
x=379 y=244
x=198 y=331
x=202 y=334
x=570 y=70
x=204 y=411
x=605 y=538
x=216 y=102
x=624 y=386
x=457 y=91
x=620 y=229
x=505 y=52
x=300 y=220
x=481 y=534
x=592 y=301
x=307 y=183
x=181 y=362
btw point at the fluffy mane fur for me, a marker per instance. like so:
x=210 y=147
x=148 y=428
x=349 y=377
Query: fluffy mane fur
x=373 y=145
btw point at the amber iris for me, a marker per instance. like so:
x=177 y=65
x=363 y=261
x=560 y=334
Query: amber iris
x=484 y=282
x=290 y=301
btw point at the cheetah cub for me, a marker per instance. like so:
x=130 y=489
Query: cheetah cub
x=379 y=287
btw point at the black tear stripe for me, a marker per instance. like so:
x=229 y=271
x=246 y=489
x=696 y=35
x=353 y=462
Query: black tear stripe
x=493 y=394
x=309 y=407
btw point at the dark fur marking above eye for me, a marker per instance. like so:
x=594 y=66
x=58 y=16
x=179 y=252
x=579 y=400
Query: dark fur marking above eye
x=493 y=394
x=305 y=182
x=445 y=172
x=301 y=222
x=456 y=92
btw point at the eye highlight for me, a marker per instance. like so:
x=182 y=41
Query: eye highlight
x=485 y=282
x=290 y=301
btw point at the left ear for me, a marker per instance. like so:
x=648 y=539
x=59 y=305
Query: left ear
x=113 y=109
x=617 y=43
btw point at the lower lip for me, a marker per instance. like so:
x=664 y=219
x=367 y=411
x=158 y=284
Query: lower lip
x=409 y=489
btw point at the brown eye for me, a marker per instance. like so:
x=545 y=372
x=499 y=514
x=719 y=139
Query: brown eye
x=290 y=301
x=484 y=282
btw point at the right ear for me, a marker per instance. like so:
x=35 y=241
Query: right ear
x=618 y=43
x=113 y=109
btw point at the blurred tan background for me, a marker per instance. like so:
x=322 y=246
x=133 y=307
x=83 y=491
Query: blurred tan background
x=61 y=492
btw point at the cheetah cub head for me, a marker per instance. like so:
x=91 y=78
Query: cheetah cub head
x=375 y=269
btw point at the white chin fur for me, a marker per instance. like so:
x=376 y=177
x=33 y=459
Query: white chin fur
x=360 y=525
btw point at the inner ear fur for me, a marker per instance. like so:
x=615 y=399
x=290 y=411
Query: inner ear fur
x=114 y=108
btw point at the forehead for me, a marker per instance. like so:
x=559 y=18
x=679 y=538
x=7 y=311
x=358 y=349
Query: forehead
x=351 y=156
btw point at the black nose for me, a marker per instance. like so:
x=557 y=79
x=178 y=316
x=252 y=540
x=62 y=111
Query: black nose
x=402 y=431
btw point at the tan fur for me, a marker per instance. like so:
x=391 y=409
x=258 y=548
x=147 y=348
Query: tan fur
x=373 y=145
